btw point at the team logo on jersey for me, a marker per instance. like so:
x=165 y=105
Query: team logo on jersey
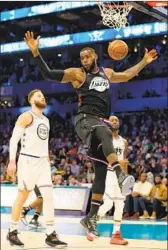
x=100 y=84
x=42 y=131
x=118 y=151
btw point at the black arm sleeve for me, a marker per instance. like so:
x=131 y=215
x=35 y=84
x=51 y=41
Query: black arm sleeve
x=47 y=73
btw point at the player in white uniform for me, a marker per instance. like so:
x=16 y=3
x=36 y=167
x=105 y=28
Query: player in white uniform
x=33 y=167
x=112 y=190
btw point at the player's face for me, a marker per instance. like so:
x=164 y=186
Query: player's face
x=88 y=59
x=114 y=122
x=39 y=100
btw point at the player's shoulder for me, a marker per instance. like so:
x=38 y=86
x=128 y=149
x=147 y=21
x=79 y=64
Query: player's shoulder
x=46 y=118
x=125 y=140
x=73 y=70
x=25 y=119
x=25 y=115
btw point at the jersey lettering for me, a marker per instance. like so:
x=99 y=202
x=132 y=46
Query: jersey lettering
x=118 y=151
x=99 y=84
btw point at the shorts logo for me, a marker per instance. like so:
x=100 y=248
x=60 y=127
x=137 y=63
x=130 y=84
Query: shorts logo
x=100 y=84
x=42 y=131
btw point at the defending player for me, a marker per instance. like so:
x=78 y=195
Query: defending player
x=112 y=190
x=37 y=204
x=33 y=167
x=92 y=85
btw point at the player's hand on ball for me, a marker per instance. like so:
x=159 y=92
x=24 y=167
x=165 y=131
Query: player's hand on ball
x=150 y=56
x=11 y=170
x=32 y=43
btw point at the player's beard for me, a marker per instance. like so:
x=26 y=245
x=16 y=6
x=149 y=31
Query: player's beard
x=91 y=67
x=40 y=105
x=116 y=129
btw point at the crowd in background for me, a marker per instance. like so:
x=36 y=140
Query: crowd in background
x=26 y=71
x=147 y=151
x=145 y=131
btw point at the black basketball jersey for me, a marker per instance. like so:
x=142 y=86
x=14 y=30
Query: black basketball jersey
x=94 y=94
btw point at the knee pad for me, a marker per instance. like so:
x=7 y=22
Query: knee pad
x=104 y=136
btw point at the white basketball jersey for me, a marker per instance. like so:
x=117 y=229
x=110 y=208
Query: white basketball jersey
x=34 y=141
x=119 y=146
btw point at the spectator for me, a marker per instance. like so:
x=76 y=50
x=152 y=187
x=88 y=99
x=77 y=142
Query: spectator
x=74 y=167
x=154 y=167
x=60 y=170
x=165 y=182
x=84 y=180
x=67 y=173
x=142 y=188
x=156 y=198
x=164 y=171
x=89 y=171
x=82 y=174
x=57 y=180
x=73 y=181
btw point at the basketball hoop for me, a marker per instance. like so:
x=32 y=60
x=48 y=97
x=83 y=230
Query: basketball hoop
x=113 y=14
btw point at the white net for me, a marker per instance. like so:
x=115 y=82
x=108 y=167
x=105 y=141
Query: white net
x=113 y=14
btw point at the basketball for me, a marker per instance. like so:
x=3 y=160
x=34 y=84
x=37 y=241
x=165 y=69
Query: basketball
x=117 y=50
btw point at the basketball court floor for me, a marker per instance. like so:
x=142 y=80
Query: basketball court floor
x=144 y=235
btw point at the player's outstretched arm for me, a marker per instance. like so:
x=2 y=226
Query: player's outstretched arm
x=23 y=121
x=63 y=76
x=133 y=71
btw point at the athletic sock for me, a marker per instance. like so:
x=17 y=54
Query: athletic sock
x=36 y=216
x=50 y=228
x=13 y=225
x=28 y=208
x=116 y=227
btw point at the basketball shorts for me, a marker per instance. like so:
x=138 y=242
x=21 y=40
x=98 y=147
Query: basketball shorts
x=85 y=125
x=33 y=172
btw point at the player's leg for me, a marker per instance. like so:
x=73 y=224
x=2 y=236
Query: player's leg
x=98 y=188
x=106 y=206
x=24 y=187
x=116 y=237
x=38 y=206
x=110 y=194
x=108 y=199
x=45 y=186
x=90 y=128
x=104 y=136
x=34 y=221
x=113 y=195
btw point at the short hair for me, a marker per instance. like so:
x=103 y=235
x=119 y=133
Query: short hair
x=30 y=95
x=88 y=48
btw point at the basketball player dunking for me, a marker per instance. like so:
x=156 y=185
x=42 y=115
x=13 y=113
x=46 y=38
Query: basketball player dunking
x=92 y=85
x=32 y=127
x=112 y=191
